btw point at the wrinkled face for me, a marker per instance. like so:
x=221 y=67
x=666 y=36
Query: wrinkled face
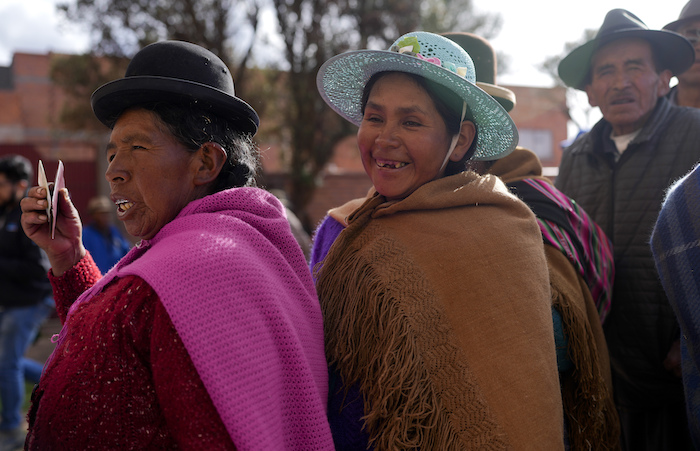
x=691 y=30
x=150 y=173
x=403 y=140
x=625 y=84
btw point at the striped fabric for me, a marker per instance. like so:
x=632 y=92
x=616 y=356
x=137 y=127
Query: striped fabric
x=581 y=240
x=675 y=244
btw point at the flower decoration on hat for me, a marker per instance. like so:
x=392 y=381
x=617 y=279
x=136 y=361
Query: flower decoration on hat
x=410 y=46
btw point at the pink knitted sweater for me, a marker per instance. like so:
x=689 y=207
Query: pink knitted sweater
x=236 y=286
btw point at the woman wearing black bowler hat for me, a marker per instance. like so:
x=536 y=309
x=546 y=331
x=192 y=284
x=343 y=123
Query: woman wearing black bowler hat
x=208 y=333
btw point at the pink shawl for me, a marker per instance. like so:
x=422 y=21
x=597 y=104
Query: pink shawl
x=236 y=286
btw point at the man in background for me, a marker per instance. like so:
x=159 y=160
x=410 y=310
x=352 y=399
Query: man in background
x=25 y=300
x=618 y=172
x=101 y=237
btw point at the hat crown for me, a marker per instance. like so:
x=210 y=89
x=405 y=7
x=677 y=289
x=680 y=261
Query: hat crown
x=620 y=20
x=438 y=50
x=184 y=61
x=690 y=12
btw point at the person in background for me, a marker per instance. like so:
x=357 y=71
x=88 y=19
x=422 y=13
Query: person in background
x=434 y=289
x=687 y=91
x=676 y=250
x=581 y=270
x=618 y=173
x=208 y=333
x=101 y=238
x=25 y=301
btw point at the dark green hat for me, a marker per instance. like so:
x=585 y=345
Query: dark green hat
x=671 y=50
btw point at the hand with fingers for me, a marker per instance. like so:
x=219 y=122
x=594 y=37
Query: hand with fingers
x=65 y=248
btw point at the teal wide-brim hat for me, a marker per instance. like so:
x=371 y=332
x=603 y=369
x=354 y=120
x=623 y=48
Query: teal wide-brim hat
x=342 y=79
x=672 y=51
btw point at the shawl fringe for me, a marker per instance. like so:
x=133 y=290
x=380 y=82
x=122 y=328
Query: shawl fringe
x=588 y=404
x=374 y=344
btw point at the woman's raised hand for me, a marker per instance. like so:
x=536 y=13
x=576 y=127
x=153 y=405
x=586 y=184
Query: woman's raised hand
x=65 y=249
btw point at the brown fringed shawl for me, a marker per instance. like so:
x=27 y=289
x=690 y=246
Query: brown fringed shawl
x=438 y=306
x=587 y=390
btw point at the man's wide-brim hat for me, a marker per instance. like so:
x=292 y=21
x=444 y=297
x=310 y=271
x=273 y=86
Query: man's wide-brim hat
x=444 y=64
x=175 y=72
x=689 y=13
x=672 y=51
x=485 y=64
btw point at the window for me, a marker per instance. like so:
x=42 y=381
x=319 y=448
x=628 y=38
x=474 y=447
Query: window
x=539 y=141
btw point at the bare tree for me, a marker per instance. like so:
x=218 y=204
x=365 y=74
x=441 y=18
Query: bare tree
x=121 y=27
x=283 y=88
x=579 y=112
x=313 y=31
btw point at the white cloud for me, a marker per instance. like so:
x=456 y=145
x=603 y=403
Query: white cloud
x=35 y=27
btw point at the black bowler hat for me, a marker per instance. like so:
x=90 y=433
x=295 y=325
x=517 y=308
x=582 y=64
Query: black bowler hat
x=175 y=72
x=672 y=50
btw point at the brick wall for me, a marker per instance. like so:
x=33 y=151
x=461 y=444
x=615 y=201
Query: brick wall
x=31 y=106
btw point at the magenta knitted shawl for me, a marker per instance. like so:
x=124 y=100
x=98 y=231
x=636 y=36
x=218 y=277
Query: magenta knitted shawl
x=236 y=286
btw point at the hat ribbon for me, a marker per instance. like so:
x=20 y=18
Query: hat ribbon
x=455 y=138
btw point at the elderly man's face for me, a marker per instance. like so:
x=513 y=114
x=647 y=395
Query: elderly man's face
x=625 y=84
x=151 y=174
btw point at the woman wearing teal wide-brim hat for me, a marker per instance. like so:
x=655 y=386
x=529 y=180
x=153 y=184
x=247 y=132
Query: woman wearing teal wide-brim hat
x=434 y=289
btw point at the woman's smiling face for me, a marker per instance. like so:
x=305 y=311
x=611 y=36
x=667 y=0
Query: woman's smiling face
x=403 y=140
x=151 y=174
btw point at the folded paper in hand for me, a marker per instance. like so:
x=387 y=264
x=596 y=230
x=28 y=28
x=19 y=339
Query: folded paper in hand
x=52 y=193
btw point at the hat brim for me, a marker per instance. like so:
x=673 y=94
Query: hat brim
x=111 y=99
x=504 y=96
x=673 y=50
x=342 y=79
x=676 y=24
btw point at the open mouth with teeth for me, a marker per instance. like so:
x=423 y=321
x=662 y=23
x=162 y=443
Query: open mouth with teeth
x=390 y=164
x=622 y=101
x=123 y=206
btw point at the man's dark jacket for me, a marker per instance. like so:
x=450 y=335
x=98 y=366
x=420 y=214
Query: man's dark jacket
x=624 y=197
x=23 y=266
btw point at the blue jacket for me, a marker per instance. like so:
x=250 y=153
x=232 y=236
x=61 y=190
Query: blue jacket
x=106 y=251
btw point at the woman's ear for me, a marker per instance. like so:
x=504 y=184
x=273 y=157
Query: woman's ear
x=210 y=158
x=466 y=137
